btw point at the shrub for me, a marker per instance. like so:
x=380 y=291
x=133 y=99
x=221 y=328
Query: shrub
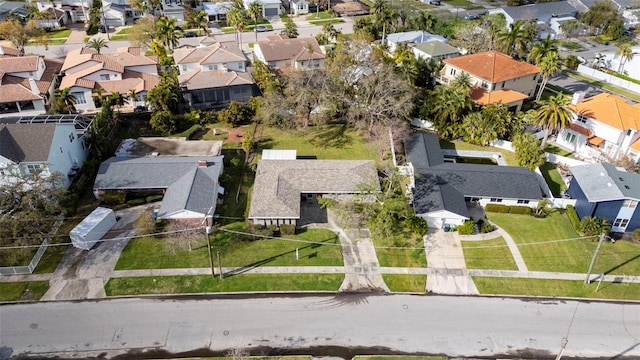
x=136 y=202
x=262 y=231
x=636 y=234
x=92 y=29
x=467 y=228
x=154 y=198
x=417 y=225
x=522 y=210
x=487 y=228
x=113 y=198
x=497 y=208
x=573 y=217
x=286 y=229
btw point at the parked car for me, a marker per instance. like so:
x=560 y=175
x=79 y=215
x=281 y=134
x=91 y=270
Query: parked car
x=103 y=28
x=189 y=34
x=260 y=28
x=471 y=17
x=140 y=109
x=435 y=2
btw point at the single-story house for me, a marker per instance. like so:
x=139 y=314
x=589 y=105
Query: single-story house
x=435 y=50
x=299 y=7
x=605 y=191
x=412 y=37
x=301 y=53
x=540 y=13
x=281 y=185
x=442 y=191
x=270 y=8
x=217 y=11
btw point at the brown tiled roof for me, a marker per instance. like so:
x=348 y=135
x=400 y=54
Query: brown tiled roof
x=6 y=51
x=16 y=92
x=44 y=84
x=290 y=49
x=492 y=66
x=115 y=61
x=26 y=142
x=54 y=13
x=131 y=80
x=505 y=96
x=611 y=110
x=212 y=54
x=213 y=79
x=10 y=65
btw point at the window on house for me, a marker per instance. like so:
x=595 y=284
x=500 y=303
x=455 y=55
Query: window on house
x=71 y=137
x=485 y=84
x=570 y=137
x=452 y=72
x=523 y=201
x=535 y=76
x=621 y=223
x=80 y=99
x=34 y=168
x=582 y=119
x=502 y=86
x=496 y=200
x=630 y=204
x=104 y=77
x=629 y=131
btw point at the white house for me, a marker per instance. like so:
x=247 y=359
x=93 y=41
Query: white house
x=42 y=148
x=299 y=7
x=412 y=37
x=541 y=13
x=121 y=71
x=435 y=50
x=603 y=126
x=270 y=8
x=217 y=11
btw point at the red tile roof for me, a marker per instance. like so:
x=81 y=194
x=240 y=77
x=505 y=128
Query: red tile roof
x=15 y=92
x=10 y=65
x=306 y=48
x=505 y=96
x=610 y=110
x=492 y=66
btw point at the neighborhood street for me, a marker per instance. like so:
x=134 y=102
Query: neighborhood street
x=325 y=325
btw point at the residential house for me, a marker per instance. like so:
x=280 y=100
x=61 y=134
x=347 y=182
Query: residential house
x=298 y=7
x=495 y=77
x=443 y=192
x=118 y=13
x=56 y=16
x=283 y=183
x=217 y=11
x=300 y=53
x=412 y=38
x=629 y=9
x=12 y=8
x=434 y=50
x=270 y=8
x=214 y=75
x=603 y=125
x=540 y=13
x=173 y=9
x=26 y=83
x=41 y=148
x=127 y=69
x=605 y=191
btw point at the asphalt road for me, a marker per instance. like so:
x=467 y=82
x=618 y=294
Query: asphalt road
x=341 y=325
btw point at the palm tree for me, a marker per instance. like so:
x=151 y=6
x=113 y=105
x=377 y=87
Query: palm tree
x=591 y=226
x=67 y=99
x=425 y=21
x=514 y=39
x=97 y=44
x=626 y=53
x=462 y=82
x=166 y=31
x=236 y=19
x=549 y=65
x=553 y=114
x=117 y=99
x=449 y=105
x=381 y=11
x=330 y=32
x=132 y=95
x=540 y=48
x=201 y=21
x=255 y=11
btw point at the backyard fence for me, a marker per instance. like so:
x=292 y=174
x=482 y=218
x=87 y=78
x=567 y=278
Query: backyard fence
x=28 y=269
x=611 y=79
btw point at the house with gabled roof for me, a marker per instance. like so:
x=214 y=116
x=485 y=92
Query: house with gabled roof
x=127 y=69
x=214 y=75
x=281 y=186
x=41 y=149
x=443 y=191
x=302 y=53
x=26 y=83
x=435 y=50
x=604 y=125
x=540 y=13
x=605 y=191
x=495 y=77
x=412 y=38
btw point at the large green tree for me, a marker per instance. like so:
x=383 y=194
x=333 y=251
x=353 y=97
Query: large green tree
x=237 y=20
x=97 y=44
x=167 y=32
x=553 y=114
x=625 y=52
x=550 y=64
x=514 y=39
x=540 y=48
x=529 y=153
x=166 y=96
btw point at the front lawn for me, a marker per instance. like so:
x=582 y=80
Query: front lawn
x=321 y=15
x=57 y=34
x=23 y=291
x=509 y=157
x=490 y=254
x=554 y=246
x=193 y=284
x=553 y=179
x=571 y=45
x=326 y=21
x=322 y=142
x=235 y=251
x=405 y=282
x=391 y=255
x=563 y=288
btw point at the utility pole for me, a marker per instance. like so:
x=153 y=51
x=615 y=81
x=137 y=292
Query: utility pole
x=207 y=229
x=219 y=265
x=593 y=260
x=565 y=341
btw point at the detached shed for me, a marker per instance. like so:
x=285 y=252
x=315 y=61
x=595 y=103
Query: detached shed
x=92 y=228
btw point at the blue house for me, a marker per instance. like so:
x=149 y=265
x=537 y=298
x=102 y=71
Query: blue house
x=605 y=191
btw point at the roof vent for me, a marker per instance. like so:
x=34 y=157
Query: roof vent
x=155 y=154
x=627 y=187
x=620 y=178
x=202 y=163
x=609 y=184
x=601 y=174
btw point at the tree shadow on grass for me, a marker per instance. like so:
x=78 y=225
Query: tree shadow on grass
x=334 y=136
x=266 y=261
x=264 y=143
x=621 y=264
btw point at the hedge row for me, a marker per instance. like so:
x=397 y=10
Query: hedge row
x=119 y=198
x=506 y=209
x=574 y=218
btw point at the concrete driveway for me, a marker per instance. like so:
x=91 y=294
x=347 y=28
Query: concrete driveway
x=573 y=85
x=444 y=254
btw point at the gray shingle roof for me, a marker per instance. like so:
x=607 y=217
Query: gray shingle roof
x=436 y=48
x=26 y=142
x=279 y=183
x=604 y=182
x=536 y=11
x=196 y=191
x=443 y=186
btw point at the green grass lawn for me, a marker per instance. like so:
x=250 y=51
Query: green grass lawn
x=322 y=142
x=23 y=291
x=405 y=282
x=621 y=257
x=552 y=177
x=550 y=148
x=398 y=357
x=414 y=256
x=127 y=30
x=326 y=21
x=509 y=157
x=481 y=255
x=190 y=284
x=603 y=85
x=119 y=37
x=564 y=288
x=154 y=253
x=58 y=34
x=322 y=15
x=571 y=45
x=458 y=3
